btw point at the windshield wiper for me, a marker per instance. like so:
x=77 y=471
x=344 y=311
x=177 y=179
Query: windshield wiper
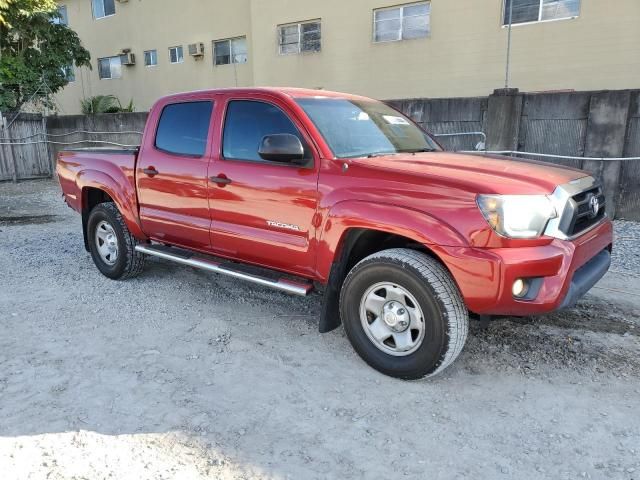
x=418 y=150
x=381 y=154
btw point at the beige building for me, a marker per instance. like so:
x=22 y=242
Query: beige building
x=143 y=49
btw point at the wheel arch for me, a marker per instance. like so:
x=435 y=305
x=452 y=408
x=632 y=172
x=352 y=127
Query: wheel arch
x=354 y=230
x=98 y=187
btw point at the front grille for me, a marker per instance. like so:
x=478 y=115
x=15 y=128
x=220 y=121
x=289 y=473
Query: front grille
x=579 y=214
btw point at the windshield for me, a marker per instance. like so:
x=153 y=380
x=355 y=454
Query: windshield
x=360 y=128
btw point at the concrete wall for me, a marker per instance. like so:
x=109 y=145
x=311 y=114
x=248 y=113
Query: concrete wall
x=108 y=122
x=600 y=123
x=629 y=193
x=464 y=56
x=583 y=124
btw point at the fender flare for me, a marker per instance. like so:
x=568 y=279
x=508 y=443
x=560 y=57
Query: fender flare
x=125 y=201
x=335 y=243
x=384 y=217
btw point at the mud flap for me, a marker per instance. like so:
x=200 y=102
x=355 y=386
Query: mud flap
x=330 y=315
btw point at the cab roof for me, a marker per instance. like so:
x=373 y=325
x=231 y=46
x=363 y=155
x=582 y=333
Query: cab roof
x=278 y=91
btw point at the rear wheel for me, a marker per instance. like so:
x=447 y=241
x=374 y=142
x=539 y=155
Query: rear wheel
x=111 y=244
x=403 y=313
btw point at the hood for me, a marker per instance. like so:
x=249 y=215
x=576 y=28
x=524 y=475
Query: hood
x=481 y=173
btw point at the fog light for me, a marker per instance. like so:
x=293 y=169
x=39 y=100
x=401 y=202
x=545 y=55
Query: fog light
x=519 y=288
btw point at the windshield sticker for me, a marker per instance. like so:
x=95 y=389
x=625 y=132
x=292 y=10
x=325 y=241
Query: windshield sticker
x=393 y=120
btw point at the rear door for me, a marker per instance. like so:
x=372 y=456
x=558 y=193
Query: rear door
x=262 y=212
x=171 y=172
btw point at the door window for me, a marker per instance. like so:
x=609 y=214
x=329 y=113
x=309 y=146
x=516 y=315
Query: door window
x=183 y=128
x=247 y=123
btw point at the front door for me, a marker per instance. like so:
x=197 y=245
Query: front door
x=262 y=212
x=172 y=175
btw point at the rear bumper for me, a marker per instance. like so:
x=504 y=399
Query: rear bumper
x=564 y=272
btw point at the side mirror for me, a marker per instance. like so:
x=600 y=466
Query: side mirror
x=281 y=147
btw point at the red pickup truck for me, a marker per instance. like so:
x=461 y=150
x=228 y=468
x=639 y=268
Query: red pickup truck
x=300 y=189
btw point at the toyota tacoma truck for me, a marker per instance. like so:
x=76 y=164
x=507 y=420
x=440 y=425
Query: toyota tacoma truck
x=300 y=190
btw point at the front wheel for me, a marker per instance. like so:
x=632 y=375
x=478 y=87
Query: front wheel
x=403 y=313
x=111 y=244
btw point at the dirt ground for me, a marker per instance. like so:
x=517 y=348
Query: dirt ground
x=180 y=374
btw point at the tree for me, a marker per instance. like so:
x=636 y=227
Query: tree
x=35 y=51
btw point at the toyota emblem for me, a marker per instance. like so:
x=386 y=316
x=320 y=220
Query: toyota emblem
x=594 y=204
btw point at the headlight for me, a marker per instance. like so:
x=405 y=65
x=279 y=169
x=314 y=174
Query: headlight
x=517 y=216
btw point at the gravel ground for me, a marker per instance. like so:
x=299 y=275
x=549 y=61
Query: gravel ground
x=627 y=258
x=183 y=374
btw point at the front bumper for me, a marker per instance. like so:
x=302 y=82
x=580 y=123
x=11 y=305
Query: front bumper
x=586 y=277
x=565 y=270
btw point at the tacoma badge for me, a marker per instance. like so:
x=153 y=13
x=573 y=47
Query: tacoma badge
x=288 y=226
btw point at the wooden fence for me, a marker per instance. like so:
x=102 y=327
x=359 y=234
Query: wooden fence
x=27 y=157
x=29 y=143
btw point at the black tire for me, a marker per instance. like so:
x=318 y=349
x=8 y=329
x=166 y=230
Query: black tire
x=128 y=263
x=446 y=320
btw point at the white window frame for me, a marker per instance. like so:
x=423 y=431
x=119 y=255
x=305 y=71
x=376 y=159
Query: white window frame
x=144 y=57
x=232 y=54
x=111 y=59
x=93 y=13
x=401 y=31
x=299 y=43
x=179 y=60
x=533 y=22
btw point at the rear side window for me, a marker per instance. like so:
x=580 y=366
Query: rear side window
x=247 y=123
x=183 y=128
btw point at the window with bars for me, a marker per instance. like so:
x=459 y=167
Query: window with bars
x=62 y=18
x=103 y=8
x=528 y=11
x=230 y=50
x=109 y=68
x=176 y=54
x=69 y=73
x=303 y=37
x=150 y=58
x=402 y=23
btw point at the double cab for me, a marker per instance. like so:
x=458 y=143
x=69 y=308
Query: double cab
x=299 y=190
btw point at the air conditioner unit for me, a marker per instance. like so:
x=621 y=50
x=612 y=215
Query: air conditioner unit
x=127 y=58
x=196 y=49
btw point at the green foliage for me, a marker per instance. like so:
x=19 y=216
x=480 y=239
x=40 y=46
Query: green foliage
x=129 y=108
x=34 y=51
x=104 y=104
x=100 y=104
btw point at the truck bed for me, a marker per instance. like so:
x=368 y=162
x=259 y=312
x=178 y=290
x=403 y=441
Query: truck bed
x=80 y=168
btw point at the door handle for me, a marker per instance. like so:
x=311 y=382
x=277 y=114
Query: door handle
x=220 y=180
x=151 y=171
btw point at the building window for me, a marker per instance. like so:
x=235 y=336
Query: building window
x=103 y=8
x=176 y=55
x=109 y=68
x=402 y=23
x=150 y=58
x=69 y=73
x=231 y=50
x=528 y=11
x=62 y=18
x=300 y=37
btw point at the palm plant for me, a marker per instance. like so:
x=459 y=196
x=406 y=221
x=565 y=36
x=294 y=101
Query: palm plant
x=100 y=104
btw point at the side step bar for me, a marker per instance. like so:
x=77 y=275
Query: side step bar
x=227 y=268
